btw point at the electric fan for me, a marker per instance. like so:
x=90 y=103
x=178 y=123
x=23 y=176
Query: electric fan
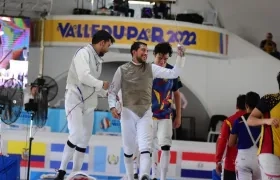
x=47 y=90
x=11 y=101
x=51 y=85
x=38 y=107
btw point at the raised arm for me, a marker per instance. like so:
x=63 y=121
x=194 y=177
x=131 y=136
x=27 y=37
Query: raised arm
x=164 y=73
x=113 y=92
x=81 y=62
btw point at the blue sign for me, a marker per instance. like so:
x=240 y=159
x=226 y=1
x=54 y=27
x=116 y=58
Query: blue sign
x=104 y=123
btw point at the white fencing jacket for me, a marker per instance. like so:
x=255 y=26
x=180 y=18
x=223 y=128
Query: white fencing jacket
x=83 y=75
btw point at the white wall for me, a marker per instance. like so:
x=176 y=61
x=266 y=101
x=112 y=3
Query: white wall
x=251 y=19
x=217 y=83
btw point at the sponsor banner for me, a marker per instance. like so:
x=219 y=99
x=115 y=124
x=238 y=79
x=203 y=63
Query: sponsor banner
x=197 y=165
x=104 y=123
x=55 y=155
x=21 y=149
x=72 y=30
x=108 y=160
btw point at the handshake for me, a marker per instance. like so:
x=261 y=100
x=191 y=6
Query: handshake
x=106 y=85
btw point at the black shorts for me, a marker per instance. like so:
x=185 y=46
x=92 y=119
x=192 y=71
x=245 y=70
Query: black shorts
x=229 y=175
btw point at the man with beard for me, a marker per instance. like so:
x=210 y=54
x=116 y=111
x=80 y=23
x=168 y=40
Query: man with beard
x=135 y=79
x=82 y=87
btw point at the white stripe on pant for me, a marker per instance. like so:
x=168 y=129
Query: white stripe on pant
x=270 y=166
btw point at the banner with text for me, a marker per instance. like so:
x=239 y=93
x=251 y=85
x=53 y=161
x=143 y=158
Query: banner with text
x=198 y=40
x=104 y=123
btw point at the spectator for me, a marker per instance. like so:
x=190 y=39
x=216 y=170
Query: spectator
x=123 y=7
x=161 y=7
x=31 y=94
x=269 y=46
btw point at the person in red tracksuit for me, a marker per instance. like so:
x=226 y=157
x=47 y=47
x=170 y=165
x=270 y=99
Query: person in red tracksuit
x=222 y=143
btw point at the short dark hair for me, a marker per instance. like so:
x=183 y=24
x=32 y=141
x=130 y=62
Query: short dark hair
x=252 y=99
x=102 y=35
x=240 y=102
x=278 y=79
x=136 y=45
x=163 y=48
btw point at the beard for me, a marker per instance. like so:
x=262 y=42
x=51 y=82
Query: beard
x=140 y=60
x=101 y=54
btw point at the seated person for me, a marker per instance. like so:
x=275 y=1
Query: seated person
x=269 y=46
x=123 y=7
x=31 y=94
x=160 y=7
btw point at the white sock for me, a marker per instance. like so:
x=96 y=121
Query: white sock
x=154 y=163
x=78 y=161
x=135 y=165
x=128 y=163
x=164 y=162
x=66 y=156
x=145 y=164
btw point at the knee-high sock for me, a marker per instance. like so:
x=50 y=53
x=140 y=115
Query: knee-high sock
x=154 y=163
x=78 y=158
x=67 y=155
x=135 y=164
x=164 y=162
x=145 y=163
x=128 y=163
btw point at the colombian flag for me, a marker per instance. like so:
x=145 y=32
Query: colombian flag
x=20 y=148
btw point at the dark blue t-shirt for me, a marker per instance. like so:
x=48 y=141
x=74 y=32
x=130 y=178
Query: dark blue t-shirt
x=162 y=94
x=244 y=140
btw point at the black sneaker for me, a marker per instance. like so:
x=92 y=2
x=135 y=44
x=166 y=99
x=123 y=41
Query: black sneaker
x=145 y=177
x=136 y=176
x=154 y=179
x=60 y=175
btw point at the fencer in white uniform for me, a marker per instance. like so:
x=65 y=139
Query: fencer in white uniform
x=162 y=113
x=82 y=89
x=136 y=154
x=135 y=79
x=246 y=138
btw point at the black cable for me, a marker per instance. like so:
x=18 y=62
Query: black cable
x=82 y=101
